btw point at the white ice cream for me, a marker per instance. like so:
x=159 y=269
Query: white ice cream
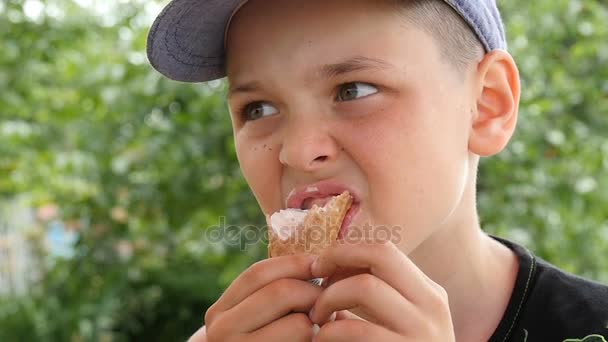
x=285 y=222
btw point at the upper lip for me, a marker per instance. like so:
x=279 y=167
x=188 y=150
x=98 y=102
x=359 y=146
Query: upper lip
x=299 y=194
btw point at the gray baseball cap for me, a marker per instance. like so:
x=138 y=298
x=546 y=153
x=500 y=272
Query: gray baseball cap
x=186 y=41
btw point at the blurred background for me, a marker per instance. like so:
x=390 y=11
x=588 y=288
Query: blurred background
x=111 y=177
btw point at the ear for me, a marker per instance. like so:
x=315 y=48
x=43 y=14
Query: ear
x=495 y=116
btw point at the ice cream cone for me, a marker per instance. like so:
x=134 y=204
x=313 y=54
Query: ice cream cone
x=318 y=230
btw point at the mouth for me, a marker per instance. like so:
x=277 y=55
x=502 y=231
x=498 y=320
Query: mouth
x=305 y=196
x=348 y=219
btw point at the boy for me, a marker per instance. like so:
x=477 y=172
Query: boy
x=394 y=101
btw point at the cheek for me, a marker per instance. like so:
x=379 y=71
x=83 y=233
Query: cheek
x=414 y=161
x=255 y=159
x=382 y=149
x=375 y=141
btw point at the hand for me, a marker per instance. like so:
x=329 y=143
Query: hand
x=269 y=301
x=394 y=298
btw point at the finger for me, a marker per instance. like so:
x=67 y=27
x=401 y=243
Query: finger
x=293 y=327
x=375 y=300
x=259 y=275
x=269 y=304
x=354 y=331
x=383 y=259
x=346 y=314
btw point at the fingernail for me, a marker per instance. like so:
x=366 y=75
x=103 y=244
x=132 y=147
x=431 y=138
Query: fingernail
x=310 y=313
x=315 y=331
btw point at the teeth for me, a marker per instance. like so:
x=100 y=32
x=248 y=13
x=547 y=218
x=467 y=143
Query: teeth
x=319 y=201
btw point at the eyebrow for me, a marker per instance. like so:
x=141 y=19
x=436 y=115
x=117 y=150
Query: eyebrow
x=248 y=87
x=356 y=63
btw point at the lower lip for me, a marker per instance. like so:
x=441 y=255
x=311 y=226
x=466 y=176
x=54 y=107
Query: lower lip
x=348 y=218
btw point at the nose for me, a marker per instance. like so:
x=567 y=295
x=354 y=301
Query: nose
x=307 y=145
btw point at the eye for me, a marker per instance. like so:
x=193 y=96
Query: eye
x=257 y=110
x=355 y=90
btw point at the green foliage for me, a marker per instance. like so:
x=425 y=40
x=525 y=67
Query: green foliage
x=139 y=166
x=142 y=168
x=549 y=189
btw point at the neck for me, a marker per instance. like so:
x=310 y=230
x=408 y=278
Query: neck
x=477 y=272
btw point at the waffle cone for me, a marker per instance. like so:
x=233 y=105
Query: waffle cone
x=319 y=229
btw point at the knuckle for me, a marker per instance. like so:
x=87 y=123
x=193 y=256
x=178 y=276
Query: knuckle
x=440 y=296
x=367 y=282
x=434 y=302
x=254 y=273
x=383 y=246
x=389 y=247
x=300 y=261
x=438 y=303
x=210 y=315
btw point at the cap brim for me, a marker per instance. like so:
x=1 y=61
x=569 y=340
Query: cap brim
x=186 y=41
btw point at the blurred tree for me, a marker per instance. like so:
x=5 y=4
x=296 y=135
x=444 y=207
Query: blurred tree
x=143 y=169
x=139 y=167
x=549 y=189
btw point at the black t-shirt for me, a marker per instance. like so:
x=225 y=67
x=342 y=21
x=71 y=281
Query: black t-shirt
x=550 y=305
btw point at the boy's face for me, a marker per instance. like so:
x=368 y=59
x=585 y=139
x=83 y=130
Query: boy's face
x=346 y=91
